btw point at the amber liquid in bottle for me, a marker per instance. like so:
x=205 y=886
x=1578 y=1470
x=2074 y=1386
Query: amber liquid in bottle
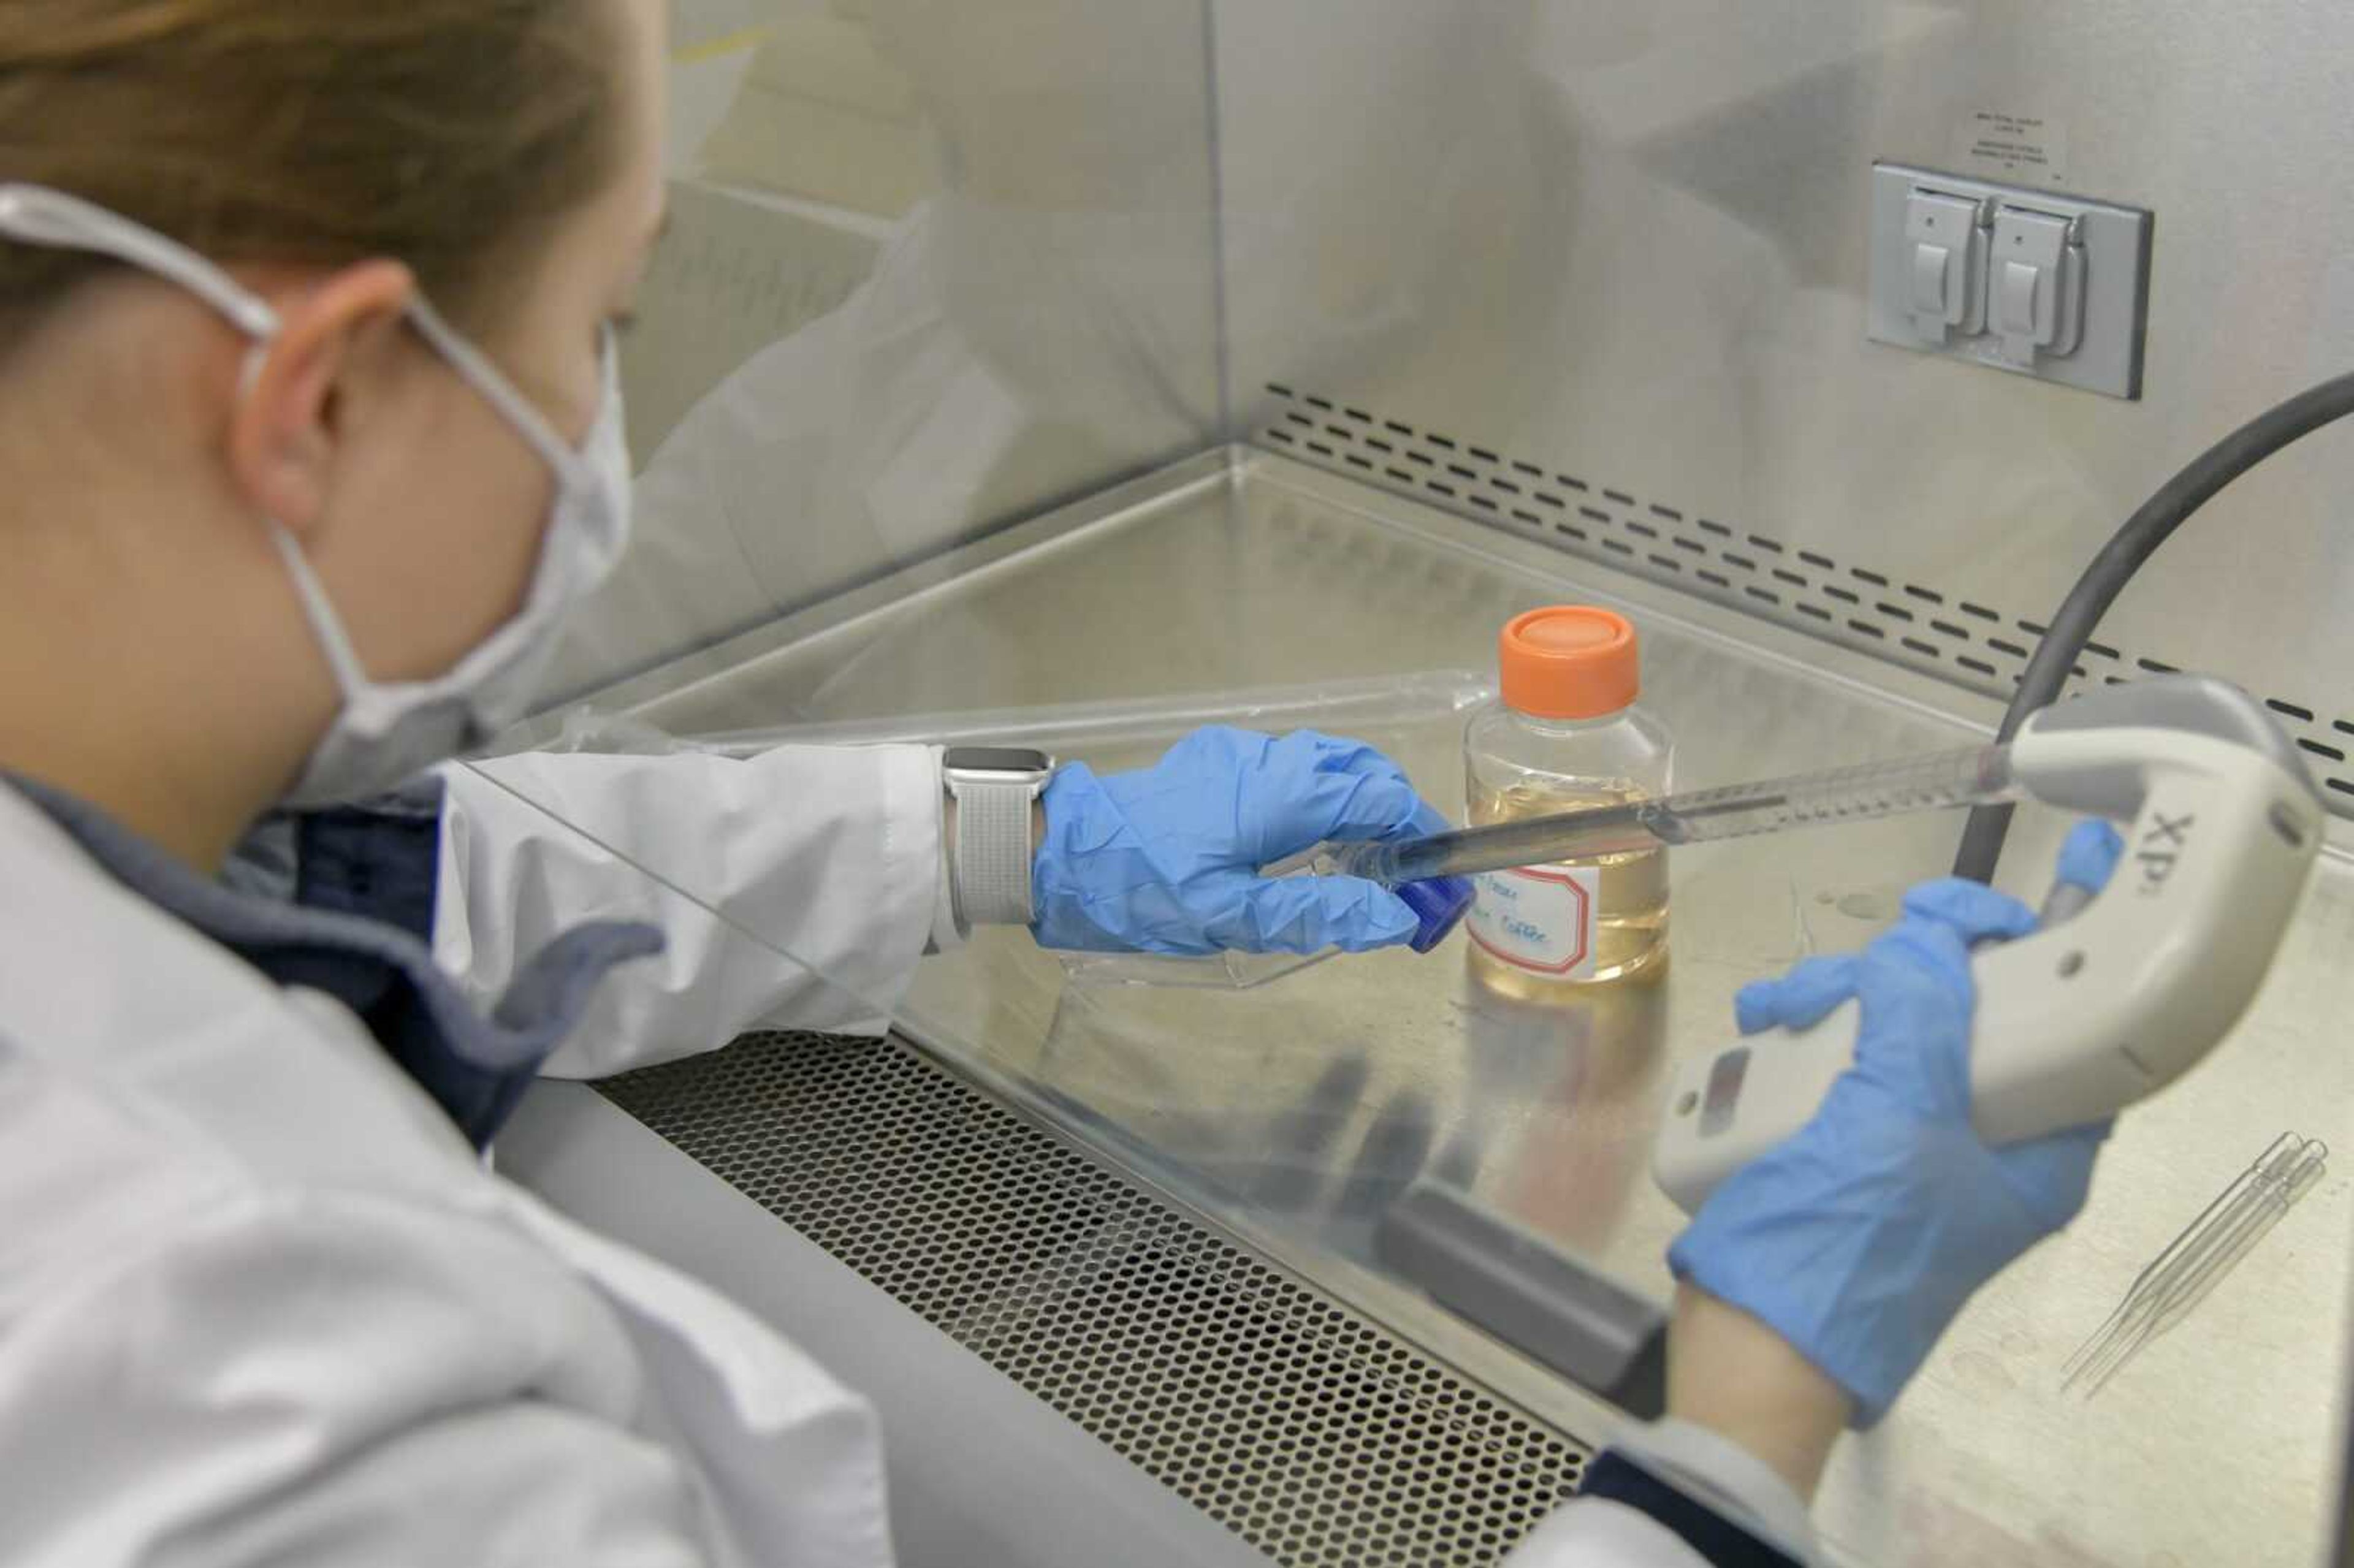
x=1630 y=907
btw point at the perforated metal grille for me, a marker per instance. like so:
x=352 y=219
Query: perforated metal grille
x=1980 y=646
x=1309 y=1431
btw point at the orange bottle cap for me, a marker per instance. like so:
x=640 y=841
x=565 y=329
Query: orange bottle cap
x=1569 y=662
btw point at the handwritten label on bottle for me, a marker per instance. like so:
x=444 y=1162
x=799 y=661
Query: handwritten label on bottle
x=1539 y=919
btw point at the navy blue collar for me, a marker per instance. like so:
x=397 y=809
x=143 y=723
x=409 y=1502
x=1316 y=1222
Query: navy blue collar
x=476 y=1067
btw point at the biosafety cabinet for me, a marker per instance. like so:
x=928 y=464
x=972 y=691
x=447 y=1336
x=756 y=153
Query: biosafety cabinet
x=1079 y=371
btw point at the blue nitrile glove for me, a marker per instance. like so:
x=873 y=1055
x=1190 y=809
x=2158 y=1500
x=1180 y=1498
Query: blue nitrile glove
x=1858 y=1238
x=1167 y=859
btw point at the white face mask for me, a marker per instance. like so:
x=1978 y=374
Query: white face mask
x=387 y=731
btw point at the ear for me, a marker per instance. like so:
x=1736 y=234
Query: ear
x=334 y=343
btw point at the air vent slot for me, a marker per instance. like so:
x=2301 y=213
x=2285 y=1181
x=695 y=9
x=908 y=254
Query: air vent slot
x=1309 y=1430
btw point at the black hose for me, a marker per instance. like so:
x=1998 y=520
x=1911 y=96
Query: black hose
x=2144 y=532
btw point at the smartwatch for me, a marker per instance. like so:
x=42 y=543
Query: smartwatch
x=994 y=787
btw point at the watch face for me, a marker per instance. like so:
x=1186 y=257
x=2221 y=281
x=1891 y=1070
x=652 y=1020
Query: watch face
x=997 y=759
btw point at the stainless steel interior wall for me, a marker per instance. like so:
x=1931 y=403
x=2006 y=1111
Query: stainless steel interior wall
x=934 y=267
x=1619 y=245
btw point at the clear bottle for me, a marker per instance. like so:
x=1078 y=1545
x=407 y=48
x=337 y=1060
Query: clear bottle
x=1565 y=733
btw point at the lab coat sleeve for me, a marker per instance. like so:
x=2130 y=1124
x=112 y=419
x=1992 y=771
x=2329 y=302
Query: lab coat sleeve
x=796 y=889
x=1717 y=1490
x=320 y=1377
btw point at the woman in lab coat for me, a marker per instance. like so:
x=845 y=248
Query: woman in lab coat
x=311 y=435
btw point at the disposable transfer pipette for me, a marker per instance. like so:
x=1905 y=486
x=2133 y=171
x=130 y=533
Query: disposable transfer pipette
x=2220 y=1242
x=2136 y=1300
x=2272 y=1201
x=1974 y=776
x=2192 y=1286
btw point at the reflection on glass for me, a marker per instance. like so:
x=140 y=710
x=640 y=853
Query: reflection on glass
x=1315 y=1101
x=1582 y=1078
x=933 y=268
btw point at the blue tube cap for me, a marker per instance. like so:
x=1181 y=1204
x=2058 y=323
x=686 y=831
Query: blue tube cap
x=1439 y=904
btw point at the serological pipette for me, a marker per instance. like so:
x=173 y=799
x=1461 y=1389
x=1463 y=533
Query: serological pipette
x=1971 y=776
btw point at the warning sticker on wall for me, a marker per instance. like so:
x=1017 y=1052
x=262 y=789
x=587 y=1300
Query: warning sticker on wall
x=2023 y=147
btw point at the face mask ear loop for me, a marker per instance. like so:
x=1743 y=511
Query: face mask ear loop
x=326 y=626
x=248 y=373
x=495 y=389
x=36 y=215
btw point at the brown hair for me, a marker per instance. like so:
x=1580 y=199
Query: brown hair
x=444 y=134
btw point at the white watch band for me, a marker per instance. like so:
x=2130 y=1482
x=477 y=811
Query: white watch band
x=993 y=853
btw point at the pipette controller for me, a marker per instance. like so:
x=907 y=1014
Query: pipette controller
x=2093 y=1013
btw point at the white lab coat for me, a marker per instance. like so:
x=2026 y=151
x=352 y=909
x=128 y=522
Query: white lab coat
x=259 y=1301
